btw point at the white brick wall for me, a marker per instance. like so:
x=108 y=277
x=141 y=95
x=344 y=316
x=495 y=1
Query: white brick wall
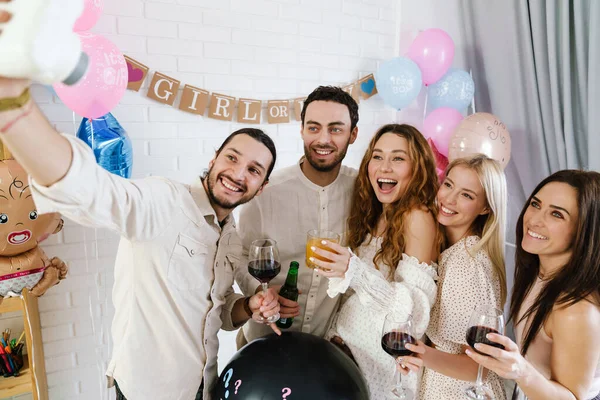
x=266 y=49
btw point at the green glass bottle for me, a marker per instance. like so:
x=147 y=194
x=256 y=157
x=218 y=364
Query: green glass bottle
x=289 y=291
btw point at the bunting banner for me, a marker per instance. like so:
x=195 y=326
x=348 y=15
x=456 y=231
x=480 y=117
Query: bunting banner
x=164 y=89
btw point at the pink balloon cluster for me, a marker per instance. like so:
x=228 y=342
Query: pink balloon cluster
x=105 y=82
x=433 y=51
x=449 y=134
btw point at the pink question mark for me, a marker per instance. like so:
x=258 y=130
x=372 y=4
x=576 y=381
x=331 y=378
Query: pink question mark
x=238 y=383
x=286 y=392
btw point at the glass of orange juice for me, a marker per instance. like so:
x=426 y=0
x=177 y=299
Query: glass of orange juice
x=314 y=238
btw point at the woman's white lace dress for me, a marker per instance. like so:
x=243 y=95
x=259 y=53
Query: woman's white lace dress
x=370 y=294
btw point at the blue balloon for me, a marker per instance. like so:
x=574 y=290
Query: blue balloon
x=399 y=82
x=455 y=90
x=110 y=143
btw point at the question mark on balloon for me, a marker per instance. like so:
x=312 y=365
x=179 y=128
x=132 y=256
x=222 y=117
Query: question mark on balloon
x=226 y=379
x=286 y=392
x=238 y=383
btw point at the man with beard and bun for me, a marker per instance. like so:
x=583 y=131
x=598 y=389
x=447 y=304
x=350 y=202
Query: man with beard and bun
x=313 y=194
x=174 y=266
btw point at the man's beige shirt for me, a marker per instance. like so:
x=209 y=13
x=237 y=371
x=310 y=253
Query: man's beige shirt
x=285 y=211
x=173 y=284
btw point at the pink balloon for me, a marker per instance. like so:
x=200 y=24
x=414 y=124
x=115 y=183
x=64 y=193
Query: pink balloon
x=91 y=13
x=439 y=126
x=103 y=85
x=433 y=51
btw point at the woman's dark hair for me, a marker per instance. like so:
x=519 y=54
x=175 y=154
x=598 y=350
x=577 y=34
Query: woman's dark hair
x=579 y=278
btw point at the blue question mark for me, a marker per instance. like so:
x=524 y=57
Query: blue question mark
x=226 y=379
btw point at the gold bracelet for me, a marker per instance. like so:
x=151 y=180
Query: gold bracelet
x=13 y=103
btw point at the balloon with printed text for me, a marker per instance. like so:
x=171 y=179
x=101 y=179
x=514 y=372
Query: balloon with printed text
x=398 y=82
x=481 y=133
x=455 y=90
x=104 y=84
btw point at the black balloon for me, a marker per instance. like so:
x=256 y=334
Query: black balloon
x=293 y=366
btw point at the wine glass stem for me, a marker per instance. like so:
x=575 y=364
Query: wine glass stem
x=398 y=380
x=479 y=381
x=265 y=289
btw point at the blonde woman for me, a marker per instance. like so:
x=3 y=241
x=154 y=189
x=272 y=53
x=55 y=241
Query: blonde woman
x=472 y=210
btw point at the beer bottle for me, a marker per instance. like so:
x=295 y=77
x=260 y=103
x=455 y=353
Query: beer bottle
x=289 y=291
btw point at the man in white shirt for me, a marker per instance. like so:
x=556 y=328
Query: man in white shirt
x=173 y=283
x=313 y=194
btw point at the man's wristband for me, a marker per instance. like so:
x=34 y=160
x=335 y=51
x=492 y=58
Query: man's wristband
x=13 y=103
x=247 y=307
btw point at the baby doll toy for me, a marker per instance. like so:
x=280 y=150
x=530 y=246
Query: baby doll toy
x=23 y=264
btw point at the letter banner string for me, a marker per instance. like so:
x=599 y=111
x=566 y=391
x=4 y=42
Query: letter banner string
x=194 y=100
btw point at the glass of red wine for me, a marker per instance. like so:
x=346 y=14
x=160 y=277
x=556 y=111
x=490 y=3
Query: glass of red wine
x=264 y=265
x=484 y=320
x=397 y=332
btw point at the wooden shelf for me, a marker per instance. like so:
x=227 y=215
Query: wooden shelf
x=11 y=304
x=29 y=380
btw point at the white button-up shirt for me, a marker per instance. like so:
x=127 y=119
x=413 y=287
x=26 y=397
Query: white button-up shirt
x=285 y=211
x=173 y=284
